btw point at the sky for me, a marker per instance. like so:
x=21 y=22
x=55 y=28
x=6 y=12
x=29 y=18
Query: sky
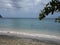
x=23 y=8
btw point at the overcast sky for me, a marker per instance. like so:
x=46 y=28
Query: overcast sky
x=22 y=8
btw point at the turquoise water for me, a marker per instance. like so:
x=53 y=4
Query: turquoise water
x=47 y=25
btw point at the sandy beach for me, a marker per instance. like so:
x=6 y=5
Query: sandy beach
x=16 y=38
x=11 y=40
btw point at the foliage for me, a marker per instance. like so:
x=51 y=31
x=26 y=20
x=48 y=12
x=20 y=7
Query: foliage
x=51 y=7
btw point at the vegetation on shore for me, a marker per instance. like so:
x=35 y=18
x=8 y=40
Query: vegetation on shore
x=0 y=16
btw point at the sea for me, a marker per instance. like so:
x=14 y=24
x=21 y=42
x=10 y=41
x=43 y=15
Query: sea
x=31 y=26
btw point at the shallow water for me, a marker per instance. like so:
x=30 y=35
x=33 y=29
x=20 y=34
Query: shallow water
x=47 y=26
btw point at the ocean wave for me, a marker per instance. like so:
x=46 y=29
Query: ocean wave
x=32 y=35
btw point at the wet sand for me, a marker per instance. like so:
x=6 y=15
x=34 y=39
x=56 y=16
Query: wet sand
x=12 y=40
x=21 y=38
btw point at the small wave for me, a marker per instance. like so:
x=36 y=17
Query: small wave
x=32 y=35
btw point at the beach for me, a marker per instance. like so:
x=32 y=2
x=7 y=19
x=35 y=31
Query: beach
x=29 y=32
x=8 y=40
x=19 y=38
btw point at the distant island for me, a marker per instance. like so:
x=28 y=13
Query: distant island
x=0 y=16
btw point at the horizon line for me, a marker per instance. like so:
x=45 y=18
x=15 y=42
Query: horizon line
x=22 y=18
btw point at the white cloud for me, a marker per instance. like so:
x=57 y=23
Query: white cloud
x=17 y=4
x=5 y=4
x=37 y=2
x=21 y=3
x=13 y=7
x=8 y=5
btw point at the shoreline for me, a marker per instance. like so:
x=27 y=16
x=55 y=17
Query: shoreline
x=11 y=40
x=41 y=37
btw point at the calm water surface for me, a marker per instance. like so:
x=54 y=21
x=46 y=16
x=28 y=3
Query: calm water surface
x=44 y=26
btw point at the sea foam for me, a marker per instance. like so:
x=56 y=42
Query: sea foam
x=32 y=35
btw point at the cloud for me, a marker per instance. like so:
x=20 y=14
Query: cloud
x=21 y=7
x=9 y=4
x=15 y=3
x=21 y=3
x=5 y=4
